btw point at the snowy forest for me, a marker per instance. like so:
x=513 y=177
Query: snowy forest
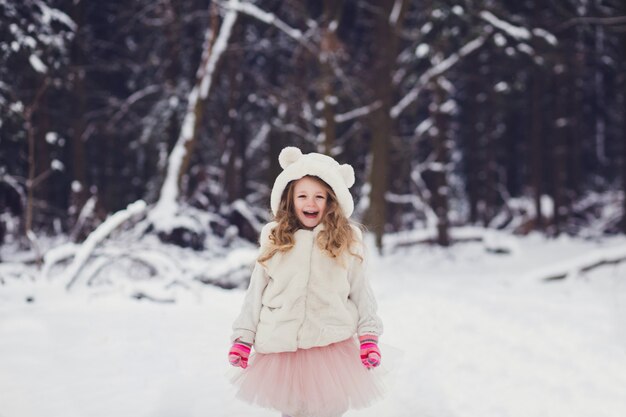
x=139 y=142
x=504 y=114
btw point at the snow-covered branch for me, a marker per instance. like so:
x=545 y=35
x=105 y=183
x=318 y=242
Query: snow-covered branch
x=358 y=112
x=436 y=71
x=516 y=32
x=269 y=18
x=580 y=263
x=165 y=208
x=258 y=140
x=217 y=50
x=395 y=12
x=97 y=236
x=418 y=204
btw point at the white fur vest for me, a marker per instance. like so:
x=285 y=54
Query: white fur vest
x=304 y=298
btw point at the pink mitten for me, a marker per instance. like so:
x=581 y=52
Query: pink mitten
x=239 y=353
x=370 y=354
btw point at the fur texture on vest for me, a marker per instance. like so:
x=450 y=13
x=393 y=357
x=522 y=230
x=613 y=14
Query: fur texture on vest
x=303 y=298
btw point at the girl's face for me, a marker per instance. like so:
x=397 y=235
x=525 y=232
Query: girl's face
x=309 y=201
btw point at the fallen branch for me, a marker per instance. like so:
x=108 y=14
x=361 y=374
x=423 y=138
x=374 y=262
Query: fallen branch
x=97 y=236
x=582 y=263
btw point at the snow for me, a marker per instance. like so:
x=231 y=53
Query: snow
x=37 y=64
x=458 y=10
x=395 y=12
x=16 y=107
x=437 y=14
x=549 y=37
x=499 y=39
x=57 y=165
x=527 y=49
x=217 y=50
x=358 y=112
x=49 y=14
x=52 y=137
x=244 y=209
x=423 y=127
x=501 y=87
x=480 y=334
x=258 y=140
x=422 y=50
x=516 y=32
x=449 y=107
x=76 y=186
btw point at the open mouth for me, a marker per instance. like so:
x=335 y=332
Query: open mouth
x=310 y=214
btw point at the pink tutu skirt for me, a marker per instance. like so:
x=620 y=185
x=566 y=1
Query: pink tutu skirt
x=318 y=382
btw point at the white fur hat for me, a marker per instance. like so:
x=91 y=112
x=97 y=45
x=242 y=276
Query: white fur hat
x=297 y=165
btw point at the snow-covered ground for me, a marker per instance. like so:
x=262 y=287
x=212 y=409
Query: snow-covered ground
x=480 y=335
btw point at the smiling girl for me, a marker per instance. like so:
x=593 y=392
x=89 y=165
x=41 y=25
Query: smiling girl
x=309 y=311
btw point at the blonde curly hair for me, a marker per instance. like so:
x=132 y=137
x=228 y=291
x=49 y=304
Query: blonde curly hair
x=336 y=239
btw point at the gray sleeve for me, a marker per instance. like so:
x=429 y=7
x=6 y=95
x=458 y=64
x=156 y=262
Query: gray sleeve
x=244 y=326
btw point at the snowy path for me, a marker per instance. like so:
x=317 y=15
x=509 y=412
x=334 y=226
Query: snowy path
x=476 y=342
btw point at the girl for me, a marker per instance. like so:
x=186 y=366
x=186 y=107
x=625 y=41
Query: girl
x=309 y=299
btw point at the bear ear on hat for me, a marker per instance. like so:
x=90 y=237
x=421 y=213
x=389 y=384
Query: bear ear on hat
x=288 y=156
x=347 y=173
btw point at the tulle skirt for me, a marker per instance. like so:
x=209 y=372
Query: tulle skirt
x=318 y=382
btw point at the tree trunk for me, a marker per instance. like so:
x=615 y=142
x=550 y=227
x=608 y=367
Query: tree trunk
x=198 y=106
x=440 y=182
x=576 y=105
x=472 y=165
x=559 y=156
x=179 y=157
x=381 y=122
x=491 y=148
x=329 y=46
x=536 y=154
x=236 y=143
x=31 y=133
x=78 y=195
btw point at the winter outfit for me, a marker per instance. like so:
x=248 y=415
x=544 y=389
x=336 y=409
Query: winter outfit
x=303 y=298
x=302 y=312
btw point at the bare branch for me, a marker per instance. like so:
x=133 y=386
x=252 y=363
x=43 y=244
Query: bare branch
x=617 y=20
x=132 y=99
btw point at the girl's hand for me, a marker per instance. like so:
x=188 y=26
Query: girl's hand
x=239 y=353
x=370 y=354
